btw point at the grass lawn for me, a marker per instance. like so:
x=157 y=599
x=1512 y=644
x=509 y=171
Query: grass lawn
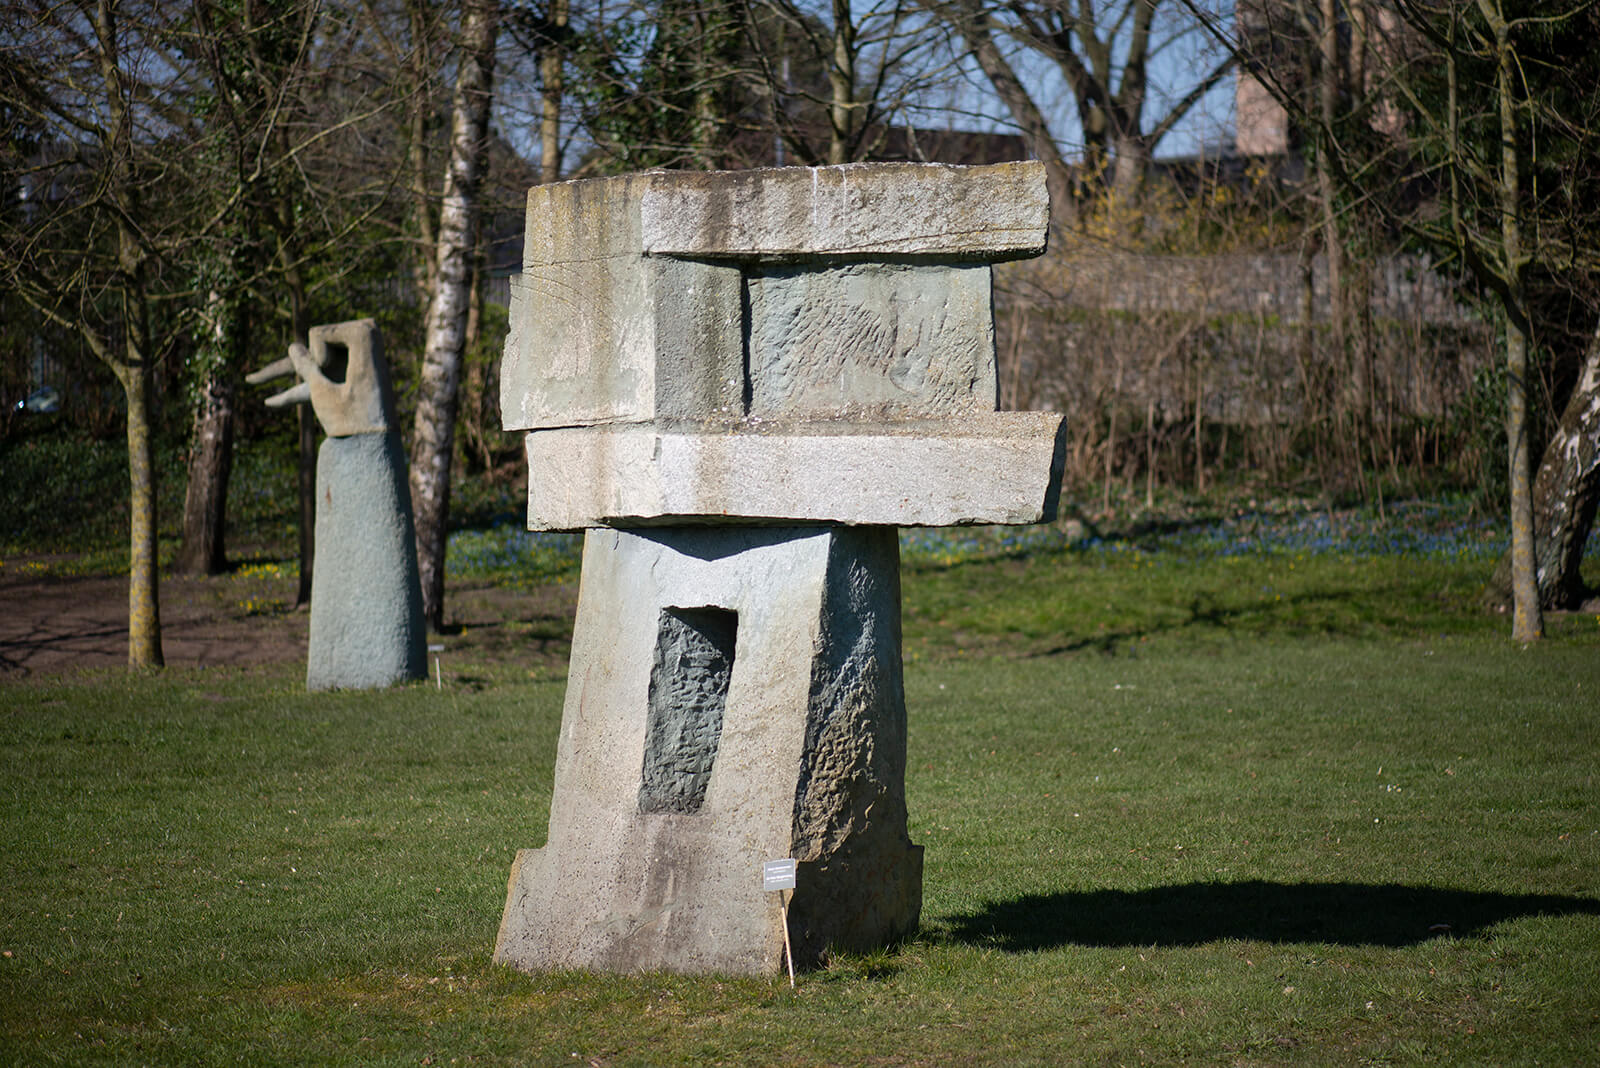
x=1224 y=809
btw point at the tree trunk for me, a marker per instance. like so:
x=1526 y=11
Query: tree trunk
x=1128 y=170
x=1527 y=620
x=1332 y=241
x=133 y=368
x=975 y=27
x=1565 y=494
x=433 y=443
x=419 y=106
x=842 y=85
x=306 y=425
x=144 y=595
x=204 y=549
x=552 y=85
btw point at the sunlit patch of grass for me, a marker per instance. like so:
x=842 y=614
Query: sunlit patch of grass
x=513 y=555
x=1320 y=848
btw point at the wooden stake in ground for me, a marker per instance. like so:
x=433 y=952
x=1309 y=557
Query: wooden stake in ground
x=779 y=875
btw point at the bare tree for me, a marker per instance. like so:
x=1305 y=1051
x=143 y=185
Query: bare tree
x=102 y=220
x=977 y=30
x=249 y=60
x=433 y=441
x=1478 y=141
x=1104 y=54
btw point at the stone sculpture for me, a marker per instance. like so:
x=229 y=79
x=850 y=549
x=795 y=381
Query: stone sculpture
x=740 y=384
x=367 y=624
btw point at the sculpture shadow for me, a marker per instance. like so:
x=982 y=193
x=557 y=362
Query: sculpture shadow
x=1350 y=914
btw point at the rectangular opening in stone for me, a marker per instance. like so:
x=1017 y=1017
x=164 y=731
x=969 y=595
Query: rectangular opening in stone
x=338 y=365
x=688 y=692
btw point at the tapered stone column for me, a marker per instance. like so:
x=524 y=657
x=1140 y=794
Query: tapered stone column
x=736 y=697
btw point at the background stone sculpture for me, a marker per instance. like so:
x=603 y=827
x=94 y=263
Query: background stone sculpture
x=740 y=384
x=367 y=626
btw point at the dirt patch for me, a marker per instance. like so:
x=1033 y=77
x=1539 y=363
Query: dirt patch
x=51 y=625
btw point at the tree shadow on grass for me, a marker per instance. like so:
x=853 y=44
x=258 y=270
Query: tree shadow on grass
x=1322 y=613
x=1351 y=914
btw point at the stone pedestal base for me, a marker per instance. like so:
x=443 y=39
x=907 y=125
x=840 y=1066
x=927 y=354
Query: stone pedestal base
x=367 y=626
x=735 y=696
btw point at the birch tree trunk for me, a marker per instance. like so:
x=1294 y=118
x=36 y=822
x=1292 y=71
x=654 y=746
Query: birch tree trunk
x=433 y=441
x=205 y=502
x=1566 y=492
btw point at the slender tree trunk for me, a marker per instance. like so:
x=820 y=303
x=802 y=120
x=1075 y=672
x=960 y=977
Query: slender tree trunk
x=134 y=368
x=553 y=85
x=306 y=437
x=205 y=504
x=1150 y=450
x=433 y=443
x=144 y=595
x=1332 y=242
x=418 y=108
x=1199 y=429
x=842 y=84
x=1527 y=620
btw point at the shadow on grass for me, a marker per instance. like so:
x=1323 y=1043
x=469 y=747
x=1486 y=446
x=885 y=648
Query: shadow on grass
x=1336 y=616
x=1351 y=914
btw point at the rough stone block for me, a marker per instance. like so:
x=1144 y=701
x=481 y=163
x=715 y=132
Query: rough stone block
x=626 y=314
x=870 y=340
x=993 y=467
x=706 y=361
x=598 y=334
x=658 y=830
x=864 y=210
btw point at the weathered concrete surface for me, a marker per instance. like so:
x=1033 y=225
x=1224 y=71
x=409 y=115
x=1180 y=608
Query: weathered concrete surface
x=623 y=315
x=812 y=741
x=870 y=341
x=993 y=467
x=367 y=626
x=867 y=210
x=598 y=333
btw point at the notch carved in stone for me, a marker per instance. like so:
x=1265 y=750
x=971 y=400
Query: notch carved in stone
x=688 y=694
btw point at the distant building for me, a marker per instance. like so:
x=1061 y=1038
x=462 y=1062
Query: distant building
x=1280 y=49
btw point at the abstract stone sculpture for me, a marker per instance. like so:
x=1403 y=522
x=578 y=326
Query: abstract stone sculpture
x=740 y=384
x=367 y=625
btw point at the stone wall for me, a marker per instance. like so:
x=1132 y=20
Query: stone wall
x=1157 y=336
x=1404 y=288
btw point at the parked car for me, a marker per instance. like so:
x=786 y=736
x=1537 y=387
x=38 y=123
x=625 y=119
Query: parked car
x=42 y=401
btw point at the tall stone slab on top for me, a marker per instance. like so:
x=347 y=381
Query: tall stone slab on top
x=367 y=626
x=741 y=384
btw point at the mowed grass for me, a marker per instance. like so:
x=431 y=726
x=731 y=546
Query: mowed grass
x=1233 y=810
